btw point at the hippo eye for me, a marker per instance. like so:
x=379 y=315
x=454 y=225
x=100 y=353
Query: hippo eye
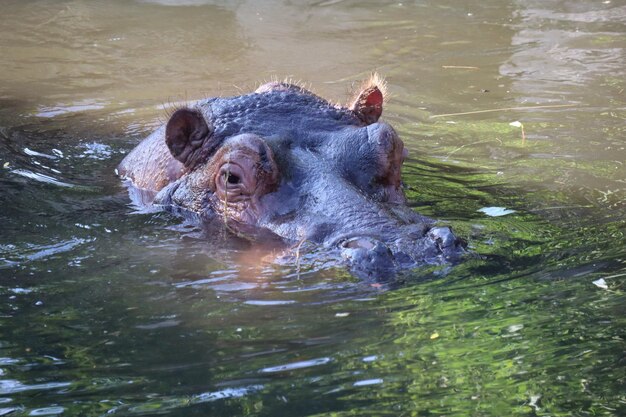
x=237 y=179
x=243 y=170
x=239 y=176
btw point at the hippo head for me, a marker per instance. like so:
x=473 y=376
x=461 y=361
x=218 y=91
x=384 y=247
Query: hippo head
x=285 y=162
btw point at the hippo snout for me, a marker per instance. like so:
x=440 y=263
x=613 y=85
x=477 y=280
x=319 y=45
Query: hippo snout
x=373 y=258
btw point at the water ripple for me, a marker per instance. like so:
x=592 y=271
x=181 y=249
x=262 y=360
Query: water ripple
x=11 y=386
x=170 y=403
x=269 y=302
x=366 y=382
x=225 y=393
x=53 y=111
x=36 y=252
x=42 y=178
x=296 y=365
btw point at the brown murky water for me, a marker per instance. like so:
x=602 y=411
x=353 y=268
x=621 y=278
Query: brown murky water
x=514 y=113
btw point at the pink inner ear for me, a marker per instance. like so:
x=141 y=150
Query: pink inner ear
x=375 y=98
x=368 y=106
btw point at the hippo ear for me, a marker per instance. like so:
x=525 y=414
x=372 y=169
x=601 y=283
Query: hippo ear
x=368 y=102
x=188 y=136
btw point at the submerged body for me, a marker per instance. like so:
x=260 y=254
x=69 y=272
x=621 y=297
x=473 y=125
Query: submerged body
x=284 y=162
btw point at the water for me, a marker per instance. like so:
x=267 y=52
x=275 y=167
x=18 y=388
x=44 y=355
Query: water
x=107 y=310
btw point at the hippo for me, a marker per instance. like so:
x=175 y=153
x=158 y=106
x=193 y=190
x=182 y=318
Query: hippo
x=282 y=163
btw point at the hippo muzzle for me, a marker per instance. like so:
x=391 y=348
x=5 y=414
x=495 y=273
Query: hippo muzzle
x=377 y=259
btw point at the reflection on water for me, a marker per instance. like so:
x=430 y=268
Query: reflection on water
x=109 y=310
x=75 y=107
x=574 y=45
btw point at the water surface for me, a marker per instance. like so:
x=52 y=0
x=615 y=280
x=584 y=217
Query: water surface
x=107 y=310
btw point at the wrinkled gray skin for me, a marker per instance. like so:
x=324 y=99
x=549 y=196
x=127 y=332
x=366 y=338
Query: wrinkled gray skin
x=284 y=162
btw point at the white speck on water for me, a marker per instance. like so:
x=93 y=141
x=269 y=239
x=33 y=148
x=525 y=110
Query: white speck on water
x=30 y=152
x=41 y=177
x=234 y=286
x=47 y=411
x=366 y=382
x=269 y=302
x=80 y=106
x=533 y=401
x=296 y=365
x=601 y=283
x=96 y=151
x=496 y=211
x=225 y=393
x=19 y=290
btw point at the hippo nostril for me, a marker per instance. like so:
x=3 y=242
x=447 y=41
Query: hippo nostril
x=446 y=242
x=368 y=257
x=443 y=236
x=359 y=243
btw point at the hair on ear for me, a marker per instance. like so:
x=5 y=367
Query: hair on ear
x=367 y=103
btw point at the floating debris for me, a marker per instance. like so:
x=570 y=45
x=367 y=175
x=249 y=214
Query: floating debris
x=520 y=125
x=600 y=283
x=496 y=211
